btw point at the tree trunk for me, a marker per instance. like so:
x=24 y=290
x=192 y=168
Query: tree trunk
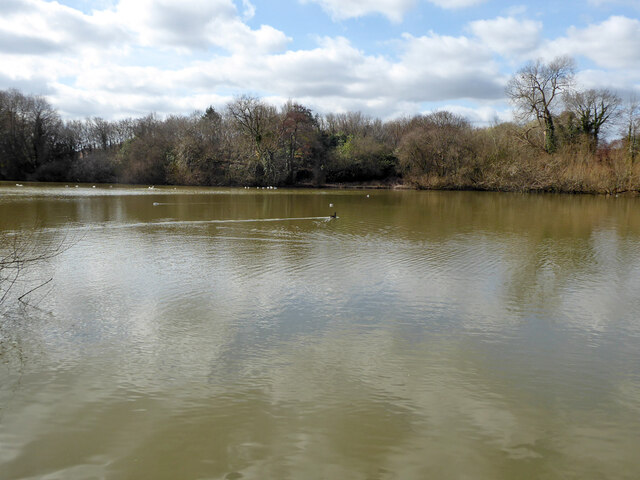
x=549 y=133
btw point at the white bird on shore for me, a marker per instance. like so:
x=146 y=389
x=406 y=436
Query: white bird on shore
x=19 y=185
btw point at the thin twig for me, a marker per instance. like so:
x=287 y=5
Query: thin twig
x=11 y=284
x=33 y=289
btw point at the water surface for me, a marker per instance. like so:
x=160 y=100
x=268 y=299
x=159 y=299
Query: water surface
x=242 y=333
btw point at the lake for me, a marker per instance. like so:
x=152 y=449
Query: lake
x=205 y=333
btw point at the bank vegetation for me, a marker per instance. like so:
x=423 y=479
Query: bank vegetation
x=563 y=139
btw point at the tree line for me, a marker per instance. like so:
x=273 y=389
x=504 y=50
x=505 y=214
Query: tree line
x=556 y=143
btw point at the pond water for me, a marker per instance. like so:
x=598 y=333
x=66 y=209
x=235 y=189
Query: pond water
x=242 y=333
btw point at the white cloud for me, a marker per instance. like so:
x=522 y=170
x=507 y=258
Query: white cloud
x=333 y=76
x=394 y=10
x=624 y=83
x=483 y=115
x=601 y=3
x=435 y=67
x=430 y=68
x=249 y=10
x=169 y=55
x=507 y=35
x=343 y=9
x=196 y=24
x=38 y=84
x=613 y=43
x=516 y=10
x=37 y=27
x=454 y=4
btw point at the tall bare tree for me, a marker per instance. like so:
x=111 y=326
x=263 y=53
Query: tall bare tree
x=298 y=136
x=535 y=89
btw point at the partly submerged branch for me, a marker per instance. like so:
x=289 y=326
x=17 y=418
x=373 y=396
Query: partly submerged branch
x=21 y=251
x=21 y=297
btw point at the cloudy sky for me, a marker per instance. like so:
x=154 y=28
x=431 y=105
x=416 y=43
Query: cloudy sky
x=118 y=58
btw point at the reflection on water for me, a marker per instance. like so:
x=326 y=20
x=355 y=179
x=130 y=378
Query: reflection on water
x=240 y=334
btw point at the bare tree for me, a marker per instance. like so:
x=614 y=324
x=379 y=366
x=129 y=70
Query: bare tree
x=593 y=108
x=349 y=123
x=15 y=134
x=259 y=122
x=101 y=132
x=45 y=125
x=298 y=135
x=534 y=90
x=439 y=143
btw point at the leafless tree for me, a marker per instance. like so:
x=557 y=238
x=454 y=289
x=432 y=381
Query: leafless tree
x=535 y=89
x=298 y=135
x=259 y=123
x=349 y=123
x=438 y=144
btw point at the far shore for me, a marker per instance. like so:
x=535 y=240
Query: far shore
x=392 y=184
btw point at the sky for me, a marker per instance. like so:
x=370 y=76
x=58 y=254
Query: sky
x=386 y=58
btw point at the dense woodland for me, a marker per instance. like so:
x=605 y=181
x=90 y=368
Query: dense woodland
x=557 y=143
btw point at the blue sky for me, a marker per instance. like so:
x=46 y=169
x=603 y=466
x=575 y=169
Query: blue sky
x=118 y=58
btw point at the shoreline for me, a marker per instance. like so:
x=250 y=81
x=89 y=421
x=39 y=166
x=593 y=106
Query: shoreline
x=396 y=184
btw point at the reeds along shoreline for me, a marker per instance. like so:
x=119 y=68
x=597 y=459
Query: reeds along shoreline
x=613 y=173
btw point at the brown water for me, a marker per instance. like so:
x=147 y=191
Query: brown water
x=419 y=335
